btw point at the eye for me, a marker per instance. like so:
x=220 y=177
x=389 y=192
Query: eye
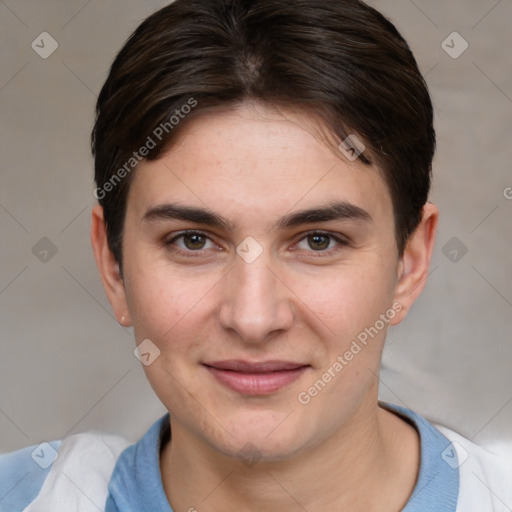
x=190 y=241
x=321 y=242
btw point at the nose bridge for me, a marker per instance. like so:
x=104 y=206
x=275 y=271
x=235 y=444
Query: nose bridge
x=255 y=302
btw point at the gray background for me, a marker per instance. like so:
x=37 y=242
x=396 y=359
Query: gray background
x=67 y=366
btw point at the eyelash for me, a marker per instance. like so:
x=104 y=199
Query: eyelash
x=326 y=252
x=190 y=253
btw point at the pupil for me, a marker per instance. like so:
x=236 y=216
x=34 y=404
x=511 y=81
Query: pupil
x=194 y=241
x=318 y=242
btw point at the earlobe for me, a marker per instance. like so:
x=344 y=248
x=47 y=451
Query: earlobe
x=413 y=268
x=108 y=268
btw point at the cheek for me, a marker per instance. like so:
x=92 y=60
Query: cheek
x=347 y=299
x=173 y=313
x=347 y=307
x=162 y=302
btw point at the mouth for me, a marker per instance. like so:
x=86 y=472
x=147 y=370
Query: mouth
x=256 y=378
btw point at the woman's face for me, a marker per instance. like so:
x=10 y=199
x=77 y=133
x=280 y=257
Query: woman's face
x=254 y=258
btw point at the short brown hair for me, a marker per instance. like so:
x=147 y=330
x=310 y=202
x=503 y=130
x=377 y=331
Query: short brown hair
x=339 y=58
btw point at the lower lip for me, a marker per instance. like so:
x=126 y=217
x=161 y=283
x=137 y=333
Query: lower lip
x=257 y=383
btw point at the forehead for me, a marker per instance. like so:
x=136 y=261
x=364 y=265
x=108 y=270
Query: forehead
x=257 y=161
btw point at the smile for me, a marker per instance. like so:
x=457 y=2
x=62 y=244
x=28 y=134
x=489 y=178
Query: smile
x=260 y=378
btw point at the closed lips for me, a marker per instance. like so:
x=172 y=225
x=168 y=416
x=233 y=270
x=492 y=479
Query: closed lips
x=256 y=367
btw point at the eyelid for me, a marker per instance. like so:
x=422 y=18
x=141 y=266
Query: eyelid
x=169 y=241
x=337 y=236
x=340 y=239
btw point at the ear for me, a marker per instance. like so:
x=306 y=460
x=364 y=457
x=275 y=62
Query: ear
x=414 y=264
x=108 y=268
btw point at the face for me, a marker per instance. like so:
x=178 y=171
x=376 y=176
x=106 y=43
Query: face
x=264 y=268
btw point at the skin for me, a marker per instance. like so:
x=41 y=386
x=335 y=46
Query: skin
x=300 y=301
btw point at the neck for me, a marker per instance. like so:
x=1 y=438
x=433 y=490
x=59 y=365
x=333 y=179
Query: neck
x=376 y=450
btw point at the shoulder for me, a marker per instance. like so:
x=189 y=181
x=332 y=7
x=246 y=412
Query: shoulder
x=60 y=475
x=457 y=470
x=485 y=471
x=23 y=473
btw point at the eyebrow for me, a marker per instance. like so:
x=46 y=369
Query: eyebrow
x=187 y=213
x=338 y=210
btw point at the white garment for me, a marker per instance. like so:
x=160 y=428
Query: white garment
x=79 y=478
x=485 y=474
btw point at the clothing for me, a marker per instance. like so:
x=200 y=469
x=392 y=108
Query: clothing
x=97 y=472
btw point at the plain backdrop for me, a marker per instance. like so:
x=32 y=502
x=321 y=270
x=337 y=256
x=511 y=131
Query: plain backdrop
x=66 y=365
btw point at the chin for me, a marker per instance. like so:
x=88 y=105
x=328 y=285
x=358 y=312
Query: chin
x=263 y=437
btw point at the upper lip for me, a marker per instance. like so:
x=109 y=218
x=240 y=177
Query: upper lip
x=238 y=365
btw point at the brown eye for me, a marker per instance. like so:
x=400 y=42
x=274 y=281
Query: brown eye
x=319 y=242
x=190 y=242
x=194 y=241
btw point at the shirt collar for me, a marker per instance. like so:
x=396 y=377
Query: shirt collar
x=438 y=483
x=136 y=483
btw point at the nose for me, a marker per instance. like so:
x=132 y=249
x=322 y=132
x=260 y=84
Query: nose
x=256 y=303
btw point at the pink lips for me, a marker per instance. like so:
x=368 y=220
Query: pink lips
x=258 y=378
